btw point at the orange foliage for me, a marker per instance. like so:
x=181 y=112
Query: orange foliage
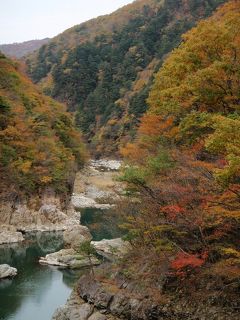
x=184 y=260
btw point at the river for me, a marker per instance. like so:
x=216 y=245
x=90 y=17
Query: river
x=37 y=290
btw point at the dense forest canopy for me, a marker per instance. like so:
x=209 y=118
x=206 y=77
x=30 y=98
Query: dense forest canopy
x=185 y=162
x=162 y=84
x=103 y=69
x=39 y=146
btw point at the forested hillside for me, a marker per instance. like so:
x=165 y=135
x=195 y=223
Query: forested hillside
x=185 y=168
x=39 y=146
x=19 y=50
x=103 y=68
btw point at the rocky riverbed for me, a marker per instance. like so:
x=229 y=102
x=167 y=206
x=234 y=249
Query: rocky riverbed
x=96 y=188
x=93 y=187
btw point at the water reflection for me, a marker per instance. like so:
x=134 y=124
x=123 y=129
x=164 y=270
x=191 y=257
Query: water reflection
x=103 y=224
x=37 y=290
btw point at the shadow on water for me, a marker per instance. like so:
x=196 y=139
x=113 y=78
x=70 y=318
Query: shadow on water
x=103 y=224
x=37 y=290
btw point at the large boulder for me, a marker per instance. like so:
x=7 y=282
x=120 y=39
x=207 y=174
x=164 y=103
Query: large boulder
x=69 y=258
x=75 y=235
x=83 y=200
x=97 y=316
x=7 y=272
x=8 y=236
x=94 y=293
x=76 y=312
x=111 y=248
x=52 y=214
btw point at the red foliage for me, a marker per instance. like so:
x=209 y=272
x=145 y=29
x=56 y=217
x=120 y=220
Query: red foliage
x=172 y=211
x=184 y=260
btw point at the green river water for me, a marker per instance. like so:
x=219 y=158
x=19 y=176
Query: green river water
x=36 y=292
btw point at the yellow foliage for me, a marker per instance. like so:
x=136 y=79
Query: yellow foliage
x=46 y=179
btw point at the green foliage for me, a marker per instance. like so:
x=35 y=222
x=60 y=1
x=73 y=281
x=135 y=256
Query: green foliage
x=195 y=126
x=134 y=176
x=87 y=248
x=93 y=70
x=160 y=163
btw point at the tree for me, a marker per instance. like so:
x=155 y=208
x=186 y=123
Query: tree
x=88 y=249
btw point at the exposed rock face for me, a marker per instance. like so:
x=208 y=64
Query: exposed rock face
x=95 y=185
x=81 y=312
x=40 y=213
x=75 y=235
x=125 y=304
x=110 y=248
x=46 y=213
x=7 y=272
x=77 y=309
x=106 y=164
x=9 y=235
x=81 y=201
x=94 y=293
x=97 y=316
x=68 y=258
x=52 y=213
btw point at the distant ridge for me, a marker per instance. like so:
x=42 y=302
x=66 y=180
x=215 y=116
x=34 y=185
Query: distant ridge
x=20 y=49
x=103 y=68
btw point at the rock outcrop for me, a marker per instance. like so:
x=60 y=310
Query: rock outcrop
x=10 y=235
x=7 y=272
x=95 y=186
x=75 y=235
x=69 y=258
x=40 y=213
x=77 y=309
x=110 y=301
x=111 y=248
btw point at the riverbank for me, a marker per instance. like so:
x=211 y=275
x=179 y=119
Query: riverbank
x=94 y=187
x=95 y=184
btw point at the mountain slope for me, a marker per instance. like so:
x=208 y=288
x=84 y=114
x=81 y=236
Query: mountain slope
x=103 y=68
x=21 y=49
x=39 y=146
x=184 y=167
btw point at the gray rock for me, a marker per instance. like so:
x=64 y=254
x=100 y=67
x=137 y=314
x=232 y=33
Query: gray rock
x=114 y=247
x=97 y=316
x=106 y=164
x=80 y=201
x=93 y=292
x=10 y=236
x=52 y=213
x=81 y=312
x=75 y=235
x=7 y=272
x=68 y=258
x=120 y=305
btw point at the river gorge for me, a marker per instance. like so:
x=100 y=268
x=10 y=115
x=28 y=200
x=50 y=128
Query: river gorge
x=38 y=290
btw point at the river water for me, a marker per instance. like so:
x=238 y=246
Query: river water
x=36 y=292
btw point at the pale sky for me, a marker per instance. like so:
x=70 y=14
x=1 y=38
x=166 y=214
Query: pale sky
x=22 y=20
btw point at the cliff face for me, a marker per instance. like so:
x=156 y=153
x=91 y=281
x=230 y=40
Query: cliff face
x=106 y=300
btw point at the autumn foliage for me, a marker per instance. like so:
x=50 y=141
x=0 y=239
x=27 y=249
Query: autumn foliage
x=184 y=166
x=39 y=146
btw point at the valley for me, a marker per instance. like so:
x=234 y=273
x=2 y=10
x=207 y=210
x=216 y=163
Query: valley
x=120 y=167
